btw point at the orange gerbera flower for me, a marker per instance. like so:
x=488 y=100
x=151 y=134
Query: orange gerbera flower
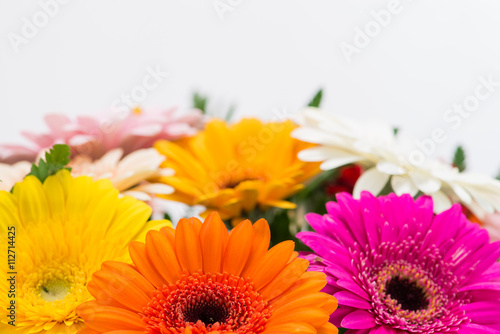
x=199 y=278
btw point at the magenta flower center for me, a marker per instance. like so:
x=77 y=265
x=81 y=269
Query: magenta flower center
x=407 y=293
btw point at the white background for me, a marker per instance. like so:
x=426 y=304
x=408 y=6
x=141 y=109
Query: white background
x=264 y=56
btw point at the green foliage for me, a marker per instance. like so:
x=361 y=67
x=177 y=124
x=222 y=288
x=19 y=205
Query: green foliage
x=316 y=101
x=55 y=160
x=395 y=130
x=459 y=159
x=230 y=113
x=200 y=102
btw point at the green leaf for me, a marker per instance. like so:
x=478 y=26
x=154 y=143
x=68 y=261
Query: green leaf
x=230 y=113
x=459 y=159
x=200 y=102
x=395 y=130
x=315 y=184
x=55 y=160
x=316 y=101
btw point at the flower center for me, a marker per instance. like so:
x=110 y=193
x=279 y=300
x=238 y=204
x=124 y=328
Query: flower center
x=407 y=293
x=207 y=302
x=55 y=290
x=209 y=311
x=52 y=290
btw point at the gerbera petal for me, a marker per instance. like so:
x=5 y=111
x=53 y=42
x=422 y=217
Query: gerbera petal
x=33 y=204
x=107 y=318
x=212 y=237
x=286 y=278
x=293 y=327
x=403 y=185
x=188 y=247
x=260 y=245
x=372 y=180
x=271 y=264
x=350 y=299
x=358 y=320
x=238 y=248
x=162 y=255
x=122 y=290
x=313 y=316
x=139 y=256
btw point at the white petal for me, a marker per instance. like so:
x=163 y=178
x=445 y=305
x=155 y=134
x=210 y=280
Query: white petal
x=155 y=188
x=166 y=172
x=425 y=183
x=372 y=180
x=462 y=193
x=403 y=185
x=316 y=154
x=111 y=158
x=391 y=168
x=339 y=161
x=137 y=195
x=311 y=135
x=441 y=202
x=483 y=201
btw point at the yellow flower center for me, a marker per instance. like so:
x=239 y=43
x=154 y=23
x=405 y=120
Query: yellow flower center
x=52 y=291
x=55 y=290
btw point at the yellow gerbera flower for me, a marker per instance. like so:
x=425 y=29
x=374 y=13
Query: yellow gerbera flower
x=234 y=168
x=53 y=237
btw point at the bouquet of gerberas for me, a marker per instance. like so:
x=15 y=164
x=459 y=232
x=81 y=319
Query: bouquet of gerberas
x=391 y=241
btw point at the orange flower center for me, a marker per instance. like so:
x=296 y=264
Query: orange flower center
x=205 y=303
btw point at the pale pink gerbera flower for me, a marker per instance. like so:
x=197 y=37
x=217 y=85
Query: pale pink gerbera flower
x=130 y=175
x=11 y=174
x=93 y=136
x=397 y=268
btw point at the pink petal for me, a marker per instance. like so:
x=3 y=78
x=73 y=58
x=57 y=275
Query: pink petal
x=358 y=320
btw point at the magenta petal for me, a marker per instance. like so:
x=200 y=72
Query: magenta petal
x=481 y=286
x=478 y=329
x=350 y=299
x=358 y=320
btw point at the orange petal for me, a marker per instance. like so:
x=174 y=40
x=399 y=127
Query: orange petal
x=169 y=232
x=188 y=247
x=162 y=256
x=271 y=264
x=130 y=273
x=196 y=224
x=140 y=258
x=260 y=245
x=310 y=282
x=87 y=330
x=312 y=315
x=238 y=248
x=317 y=300
x=292 y=327
x=101 y=297
x=121 y=290
x=107 y=318
x=328 y=328
x=212 y=236
x=285 y=279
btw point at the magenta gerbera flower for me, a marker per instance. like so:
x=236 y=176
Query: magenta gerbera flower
x=396 y=268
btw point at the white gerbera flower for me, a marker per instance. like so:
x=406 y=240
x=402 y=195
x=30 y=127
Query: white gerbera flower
x=387 y=159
